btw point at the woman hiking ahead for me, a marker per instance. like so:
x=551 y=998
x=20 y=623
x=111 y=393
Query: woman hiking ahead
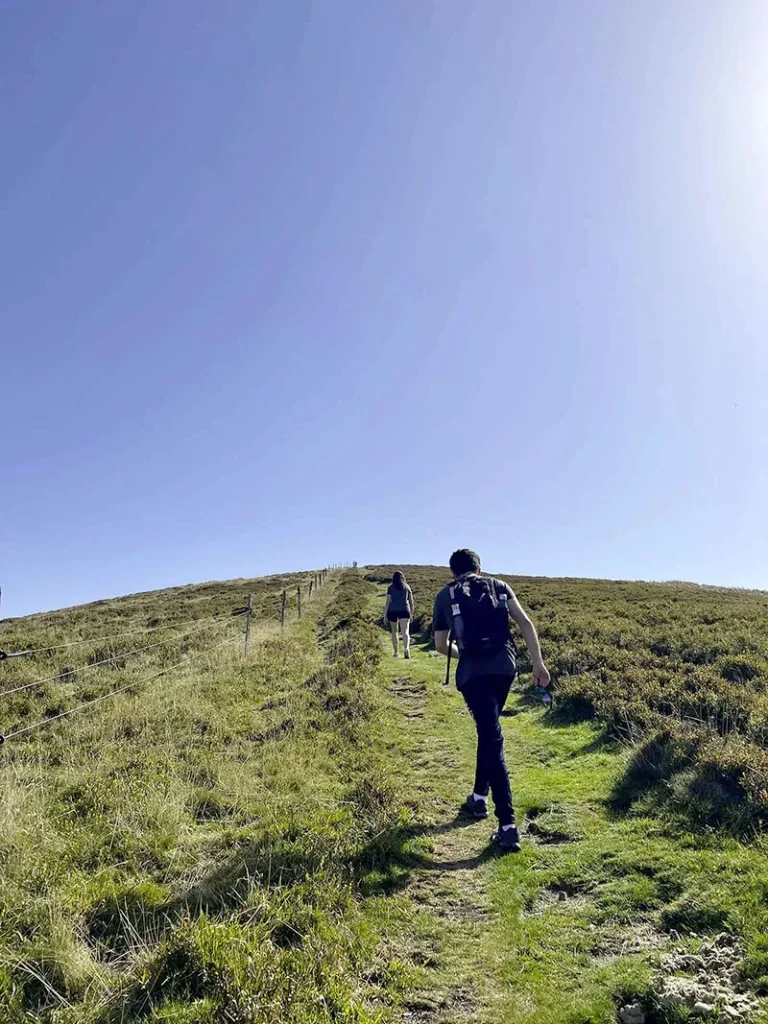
x=398 y=611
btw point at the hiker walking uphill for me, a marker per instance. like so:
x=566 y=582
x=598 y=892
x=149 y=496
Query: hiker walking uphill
x=471 y=622
x=398 y=611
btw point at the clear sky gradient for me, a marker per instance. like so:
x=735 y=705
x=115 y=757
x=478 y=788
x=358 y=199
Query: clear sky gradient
x=287 y=283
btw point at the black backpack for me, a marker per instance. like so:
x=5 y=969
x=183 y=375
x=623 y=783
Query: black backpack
x=480 y=616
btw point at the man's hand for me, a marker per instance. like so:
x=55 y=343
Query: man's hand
x=541 y=676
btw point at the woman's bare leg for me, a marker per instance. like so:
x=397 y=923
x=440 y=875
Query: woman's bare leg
x=405 y=629
x=393 y=626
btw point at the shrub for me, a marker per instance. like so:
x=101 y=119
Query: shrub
x=653 y=763
x=729 y=784
x=743 y=669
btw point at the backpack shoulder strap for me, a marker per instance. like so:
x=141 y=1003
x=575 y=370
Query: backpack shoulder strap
x=454 y=612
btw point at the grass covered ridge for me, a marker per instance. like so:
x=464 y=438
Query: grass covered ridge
x=274 y=838
x=194 y=852
x=677 y=671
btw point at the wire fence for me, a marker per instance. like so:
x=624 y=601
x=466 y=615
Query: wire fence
x=50 y=648
x=113 y=693
x=69 y=674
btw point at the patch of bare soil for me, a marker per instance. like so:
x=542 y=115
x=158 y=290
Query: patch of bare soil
x=707 y=981
x=633 y=940
x=702 y=980
x=412 y=693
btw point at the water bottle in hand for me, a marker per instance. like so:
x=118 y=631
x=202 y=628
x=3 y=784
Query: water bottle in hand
x=543 y=692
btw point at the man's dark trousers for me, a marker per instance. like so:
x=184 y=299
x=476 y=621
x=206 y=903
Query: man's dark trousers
x=485 y=697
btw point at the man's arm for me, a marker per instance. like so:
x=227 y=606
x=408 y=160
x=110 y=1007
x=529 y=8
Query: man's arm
x=410 y=601
x=441 y=643
x=527 y=628
x=441 y=626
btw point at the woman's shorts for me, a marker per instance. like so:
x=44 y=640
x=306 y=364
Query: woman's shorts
x=397 y=616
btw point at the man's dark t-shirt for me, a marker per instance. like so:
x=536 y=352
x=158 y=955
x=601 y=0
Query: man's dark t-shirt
x=471 y=665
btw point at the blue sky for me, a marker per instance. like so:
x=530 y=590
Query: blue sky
x=291 y=283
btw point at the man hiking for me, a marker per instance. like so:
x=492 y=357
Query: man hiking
x=471 y=623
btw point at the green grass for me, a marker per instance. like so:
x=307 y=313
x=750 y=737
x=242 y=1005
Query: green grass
x=580 y=921
x=192 y=851
x=682 y=668
x=274 y=838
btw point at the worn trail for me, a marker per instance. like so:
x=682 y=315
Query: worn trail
x=449 y=896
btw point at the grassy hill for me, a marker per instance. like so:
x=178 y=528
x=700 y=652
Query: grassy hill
x=679 y=669
x=273 y=836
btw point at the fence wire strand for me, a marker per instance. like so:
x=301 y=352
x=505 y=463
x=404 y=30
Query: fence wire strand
x=113 y=693
x=106 y=661
x=103 y=639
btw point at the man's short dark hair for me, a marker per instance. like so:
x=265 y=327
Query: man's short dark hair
x=464 y=560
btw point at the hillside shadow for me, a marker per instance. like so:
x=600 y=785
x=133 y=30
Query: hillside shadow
x=393 y=872
x=664 y=774
x=491 y=852
x=115 y=924
x=562 y=717
x=601 y=743
x=385 y=865
x=649 y=773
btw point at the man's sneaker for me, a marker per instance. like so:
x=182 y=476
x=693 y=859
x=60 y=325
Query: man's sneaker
x=508 y=840
x=475 y=808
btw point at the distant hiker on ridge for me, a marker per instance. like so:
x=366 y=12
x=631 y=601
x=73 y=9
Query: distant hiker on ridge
x=471 y=623
x=398 y=611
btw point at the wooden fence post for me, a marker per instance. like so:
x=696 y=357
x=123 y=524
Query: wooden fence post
x=248 y=617
x=298 y=600
x=283 y=600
